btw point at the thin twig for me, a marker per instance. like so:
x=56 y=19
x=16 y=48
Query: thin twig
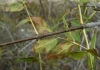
x=41 y=36
x=88 y=25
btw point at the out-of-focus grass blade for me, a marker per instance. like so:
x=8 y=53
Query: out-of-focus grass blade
x=22 y=22
x=93 y=40
x=0 y=52
x=92 y=58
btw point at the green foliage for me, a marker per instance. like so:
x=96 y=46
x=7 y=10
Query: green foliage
x=75 y=22
x=22 y=22
x=93 y=40
x=53 y=47
x=14 y=7
x=29 y=59
x=77 y=55
x=45 y=45
x=0 y=27
x=86 y=18
x=93 y=52
x=0 y=52
x=76 y=36
x=83 y=1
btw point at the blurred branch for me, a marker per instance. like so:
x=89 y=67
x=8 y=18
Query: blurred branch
x=96 y=9
x=9 y=34
x=88 y=25
x=41 y=4
x=26 y=46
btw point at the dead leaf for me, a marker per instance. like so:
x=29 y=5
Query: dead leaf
x=60 y=51
x=40 y=25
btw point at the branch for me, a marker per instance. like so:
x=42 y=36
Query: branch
x=96 y=9
x=42 y=7
x=88 y=25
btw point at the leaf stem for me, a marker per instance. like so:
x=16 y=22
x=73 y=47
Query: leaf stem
x=40 y=61
x=84 y=32
x=34 y=30
x=81 y=21
x=29 y=17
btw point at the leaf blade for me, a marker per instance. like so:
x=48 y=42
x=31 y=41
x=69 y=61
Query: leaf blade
x=22 y=22
x=14 y=7
x=45 y=45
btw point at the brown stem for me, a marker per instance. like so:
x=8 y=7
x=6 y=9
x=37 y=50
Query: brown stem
x=43 y=36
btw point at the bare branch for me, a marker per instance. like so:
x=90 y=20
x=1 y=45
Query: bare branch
x=88 y=25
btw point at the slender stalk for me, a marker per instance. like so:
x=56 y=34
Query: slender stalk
x=29 y=17
x=81 y=21
x=34 y=30
x=84 y=32
x=40 y=61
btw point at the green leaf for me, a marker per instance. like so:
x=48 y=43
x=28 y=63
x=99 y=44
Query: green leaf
x=64 y=21
x=73 y=36
x=1 y=27
x=14 y=7
x=0 y=52
x=92 y=50
x=75 y=22
x=76 y=36
x=65 y=24
x=93 y=40
x=77 y=55
x=93 y=54
x=68 y=35
x=84 y=1
x=30 y=59
x=59 y=51
x=22 y=22
x=45 y=45
x=86 y=18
